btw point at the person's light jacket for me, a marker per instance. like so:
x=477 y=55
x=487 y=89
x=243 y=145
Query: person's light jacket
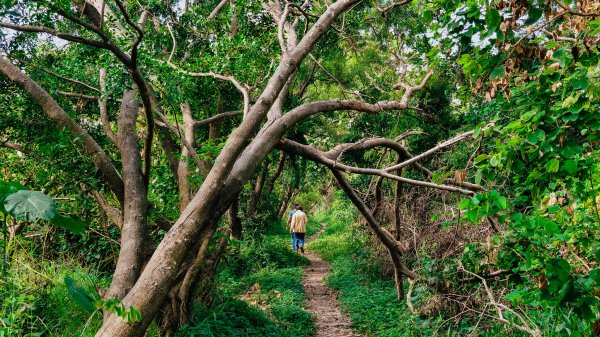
x=299 y=221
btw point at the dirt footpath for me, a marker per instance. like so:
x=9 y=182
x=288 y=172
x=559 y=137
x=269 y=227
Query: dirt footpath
x=322 y=300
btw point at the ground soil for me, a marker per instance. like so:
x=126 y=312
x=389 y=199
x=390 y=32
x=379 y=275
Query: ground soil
x=322 y=300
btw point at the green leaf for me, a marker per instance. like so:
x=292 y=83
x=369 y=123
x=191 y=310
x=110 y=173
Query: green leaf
x=480 y=158
x=533 y=15
x=502 y=203
x=30 y=205
x=552 y=165
x=80 y=295
x=571 y=166
x=571 y=150
x=69 y=224
x=6 y=189
x=428 y=16
x=492 y=19
x=536 y=136
x=570 y=101
x=494 y=161
x=581 y=83
x=497 y=72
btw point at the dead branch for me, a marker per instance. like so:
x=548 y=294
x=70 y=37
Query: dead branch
x=525 y=327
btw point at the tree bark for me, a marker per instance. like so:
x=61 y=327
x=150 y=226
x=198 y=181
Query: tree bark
x=183 y=170
x=135 y=207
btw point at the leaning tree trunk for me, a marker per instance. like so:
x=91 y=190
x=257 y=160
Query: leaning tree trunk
x=178 y=311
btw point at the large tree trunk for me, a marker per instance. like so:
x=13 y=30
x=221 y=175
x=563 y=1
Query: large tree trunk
x=135 y=208
x=178 y=311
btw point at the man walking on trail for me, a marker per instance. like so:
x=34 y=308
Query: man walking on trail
x=289 y=226
x=298 y=229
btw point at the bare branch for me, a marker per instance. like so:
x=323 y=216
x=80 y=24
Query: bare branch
x=174 y=43
x=409 y=90
x=243 y=89
x=282 y=21
x=13 y=146
x=429 y=152
x=217 y=117
x=77 y=95
x=47 y=30
x=314 y=154
x=384 y=11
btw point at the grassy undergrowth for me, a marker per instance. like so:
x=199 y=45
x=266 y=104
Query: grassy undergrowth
x=34 y=300
x=259 y=291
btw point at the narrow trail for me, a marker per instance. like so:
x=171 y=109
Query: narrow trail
x=322 y=300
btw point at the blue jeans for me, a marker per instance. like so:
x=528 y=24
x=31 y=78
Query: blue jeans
x=297 y=240
x=294 y=241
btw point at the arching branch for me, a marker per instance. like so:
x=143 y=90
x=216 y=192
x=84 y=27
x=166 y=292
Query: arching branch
x=314 y=154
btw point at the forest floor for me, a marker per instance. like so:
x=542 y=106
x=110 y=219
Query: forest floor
x=322 y=300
